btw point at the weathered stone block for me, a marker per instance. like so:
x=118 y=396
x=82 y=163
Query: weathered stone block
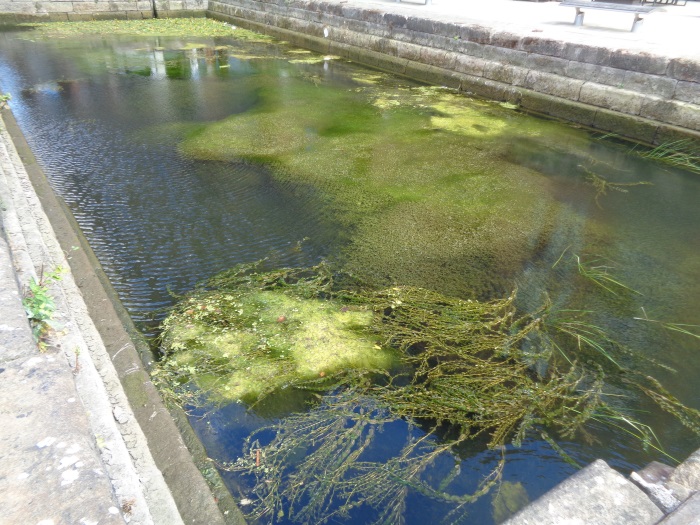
x=476 y=33
x=432 y=75
x=468 y=48
x=508 y=74
x=505 y=39
x=557 y=107
x=652 y=480
x=688 y=472
x=542 y=46
x=609 y=97
x=685 y=69
x=469 y=65
x=568 y=88
x=408 y=51
x=650 y=84
x=596 y=495
x=629 y=126
x=585 y=53
x=598 y=74
x=547 y=64
x=640 y=62
x=673 y=112
x=511 y=57
x=482 y=87
x=687 y=92
x=438 y=58
x=686 y=514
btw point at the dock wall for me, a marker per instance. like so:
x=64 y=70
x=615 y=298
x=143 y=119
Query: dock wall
x=642 y=96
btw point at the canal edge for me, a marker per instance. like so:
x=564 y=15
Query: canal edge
x=169 y=459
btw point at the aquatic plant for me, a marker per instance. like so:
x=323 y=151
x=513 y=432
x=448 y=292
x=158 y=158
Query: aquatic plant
x=183 y=27
x=463 y=370
x=680 y=153
x=40 y=306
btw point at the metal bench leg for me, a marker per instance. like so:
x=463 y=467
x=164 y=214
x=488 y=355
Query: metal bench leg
x=638 y=21
x=578 y=21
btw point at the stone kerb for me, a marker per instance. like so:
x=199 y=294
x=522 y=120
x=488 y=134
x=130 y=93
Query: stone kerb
x=16 y=11
x=640 y=95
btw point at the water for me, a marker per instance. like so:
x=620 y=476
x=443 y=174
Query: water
x=178 y=163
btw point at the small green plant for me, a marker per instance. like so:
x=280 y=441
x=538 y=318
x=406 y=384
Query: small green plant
x=4 y=98
x=40 y=306
x=680 y=153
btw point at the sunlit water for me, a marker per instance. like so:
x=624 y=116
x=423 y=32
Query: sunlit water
x=105 y=118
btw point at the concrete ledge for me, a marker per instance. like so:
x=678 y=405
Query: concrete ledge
x=596 y=495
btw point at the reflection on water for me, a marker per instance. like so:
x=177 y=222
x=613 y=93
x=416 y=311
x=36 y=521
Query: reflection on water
x=157 y=151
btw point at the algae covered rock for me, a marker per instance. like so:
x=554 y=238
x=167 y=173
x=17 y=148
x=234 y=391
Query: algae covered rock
x=238 y=345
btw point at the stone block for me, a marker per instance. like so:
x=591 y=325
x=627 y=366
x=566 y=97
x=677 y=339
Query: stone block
x=612 y=98
x=596 y=495
x=686 y=514
x=469 y=65
x=598 y=74
x=673 y=112
x=556 y=107
x=664 y=135
x=589 y=54
x=433 y=75
x=438 y=58
x=547 y=64
x=420 y=25
x=505 y=39
x=511 y=57
x=508 y=74
x=467 y=48
x=629 y=126
x=640 y=62
x=687 y=92
x=407 y=50
x=482 y=87
x=652 y=480
x=660 y=86
x=685 y=69
x=542 y=46
x=688 y=472
x=558 y=86
x=476 y=33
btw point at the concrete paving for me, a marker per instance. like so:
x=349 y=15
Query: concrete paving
x=671 y=30
x=71 y=451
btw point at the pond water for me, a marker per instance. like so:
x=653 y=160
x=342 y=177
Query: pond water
x=180 y=158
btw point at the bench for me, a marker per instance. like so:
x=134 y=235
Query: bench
x=609 y=6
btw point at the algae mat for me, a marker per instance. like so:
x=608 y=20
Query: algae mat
x=417 y=177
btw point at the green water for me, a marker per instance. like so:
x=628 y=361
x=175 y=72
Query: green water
x=181 y=160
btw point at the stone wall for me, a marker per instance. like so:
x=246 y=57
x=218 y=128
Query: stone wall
x=643 y=96
x=15 y=11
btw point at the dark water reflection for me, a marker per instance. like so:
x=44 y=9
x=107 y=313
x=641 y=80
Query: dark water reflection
x=104 y=118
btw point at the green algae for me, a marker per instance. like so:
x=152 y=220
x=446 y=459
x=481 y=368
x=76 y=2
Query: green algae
x=242 y=344
x=479 y=369
x=176 y=27
x=394 y=168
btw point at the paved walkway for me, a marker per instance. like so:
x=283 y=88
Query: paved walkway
x=71 y=451
x=669 y=31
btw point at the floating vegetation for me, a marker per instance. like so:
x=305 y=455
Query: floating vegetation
x=453 y=370
x=180 y=27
